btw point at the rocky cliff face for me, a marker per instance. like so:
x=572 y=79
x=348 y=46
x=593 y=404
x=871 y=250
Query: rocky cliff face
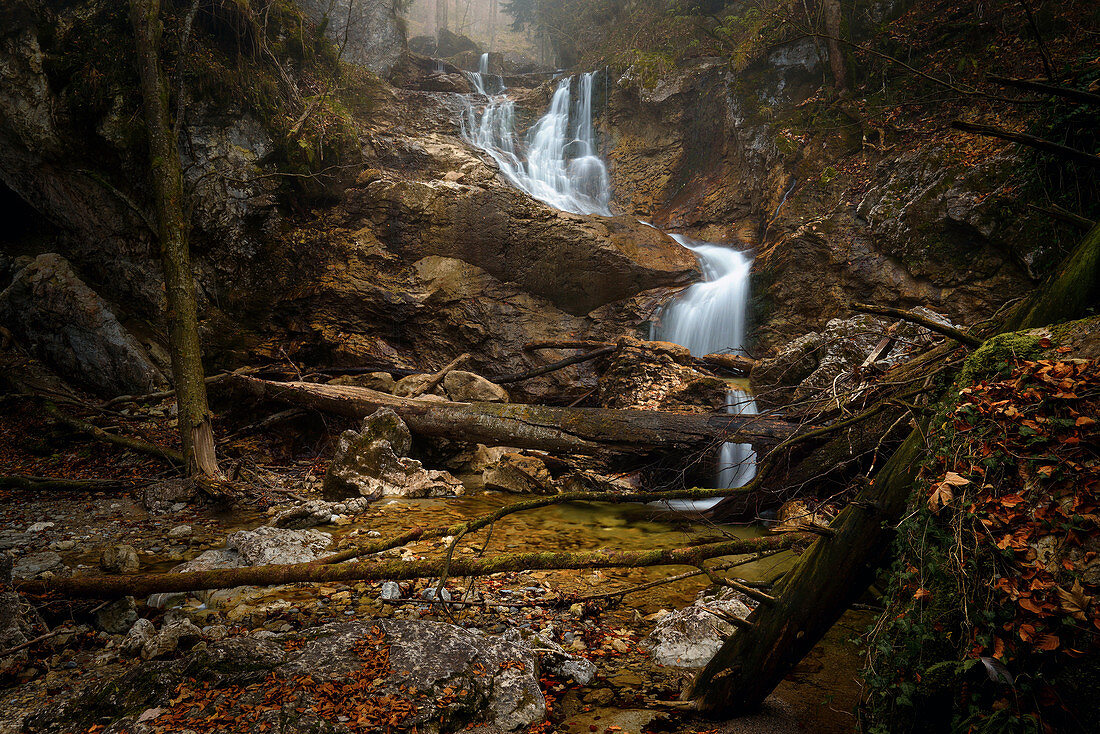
x=831 y=217
x=414 y=251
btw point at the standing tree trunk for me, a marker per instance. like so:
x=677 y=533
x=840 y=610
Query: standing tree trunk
x=440 y=20
x=492 y=24
x=196 y=433
x=837 y=61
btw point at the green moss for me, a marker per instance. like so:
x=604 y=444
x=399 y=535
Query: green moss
x=996 y=355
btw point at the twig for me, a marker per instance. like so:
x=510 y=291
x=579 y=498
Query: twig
x=28 y=643
x=553 y=367
x=1047 y=63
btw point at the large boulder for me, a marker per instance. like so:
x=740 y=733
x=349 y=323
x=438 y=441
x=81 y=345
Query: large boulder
x=70 y=328
x=690 y=637
x=467 y=387
x=657 y=375
x=582 y=261
x=519 y=474
x=262 y=546
x=371 y=463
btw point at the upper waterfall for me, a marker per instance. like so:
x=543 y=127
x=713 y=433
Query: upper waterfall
x=558 y=163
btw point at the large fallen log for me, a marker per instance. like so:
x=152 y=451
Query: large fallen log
x=108 y=587
x=567 y=430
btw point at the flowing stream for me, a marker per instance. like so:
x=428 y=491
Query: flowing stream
x=558 y=162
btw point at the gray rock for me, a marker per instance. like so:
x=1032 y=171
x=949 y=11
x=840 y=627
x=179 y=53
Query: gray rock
x=31 y=565
x=163 y=496
x=390 y=590
x=369 y=31
x=140 y=633
x=70 y=328
x=430 y=656
x=467 y=387
x=119 y=559
x=318 y=512
x=38 y=527
x=553 y=657
x=180 y=531
x=176 y=635
x=690 y=637
x=380 y=381
x=266 y=545
x=118 y=617
x=429 y=594
x=371 y=463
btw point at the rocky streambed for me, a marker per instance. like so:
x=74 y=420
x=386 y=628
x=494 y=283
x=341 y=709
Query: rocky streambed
x=549 y=651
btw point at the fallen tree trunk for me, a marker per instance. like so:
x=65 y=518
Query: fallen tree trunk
x=735 y=363
x=109 y=587
x=567 y=430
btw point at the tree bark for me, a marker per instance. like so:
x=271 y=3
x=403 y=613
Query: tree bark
x=440 y=18
x=838 y=63
x=108 y=587
x=196 y=432
x=566 y=430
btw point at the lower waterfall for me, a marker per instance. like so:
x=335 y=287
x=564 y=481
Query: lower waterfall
x=558 y=163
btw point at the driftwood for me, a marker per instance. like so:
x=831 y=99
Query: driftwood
x=22 y=481
x=108 y=587
x=732 y=363
x=566 y=430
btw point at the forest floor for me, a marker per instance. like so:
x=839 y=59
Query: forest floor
x=630 y=692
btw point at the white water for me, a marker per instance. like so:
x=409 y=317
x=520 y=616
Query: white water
x=559 y=163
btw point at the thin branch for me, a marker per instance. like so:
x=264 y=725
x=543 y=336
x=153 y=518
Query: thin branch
x=1059 y=91
x=1047 y=146
x=931 y=324
x=553 y=367
x=134 y=444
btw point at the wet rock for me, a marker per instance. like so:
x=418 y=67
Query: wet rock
x=467 y=387
x=30 y=566
x=38 y=527
x=520 y=474
x=166 y=495
x=370 y=463
x=690 y=637
x=318 y=512
x=118 y=617
x=586 y=480
x=119 y=559
x=553 y=657
x=70 y=328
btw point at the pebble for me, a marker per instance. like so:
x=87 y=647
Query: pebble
x=391 y=591
x=38 y=527
x=180 y=531
x=429 y=594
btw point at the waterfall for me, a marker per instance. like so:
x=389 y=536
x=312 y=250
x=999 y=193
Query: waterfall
x=559 y=163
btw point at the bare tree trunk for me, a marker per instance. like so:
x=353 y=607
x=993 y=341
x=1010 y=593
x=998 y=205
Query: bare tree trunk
x=440 y=18
x=196 y=433
x=492 y=25
x=837 y=60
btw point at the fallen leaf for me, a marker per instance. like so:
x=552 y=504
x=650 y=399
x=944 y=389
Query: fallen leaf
x=1074 y=602
x=942 y=495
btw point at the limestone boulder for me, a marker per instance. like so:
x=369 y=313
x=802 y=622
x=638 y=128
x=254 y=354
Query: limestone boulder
x=519 y=474
x=467 y=387
x=74 y=331
x=371 y=463
x=369 y=31
x=690 y=637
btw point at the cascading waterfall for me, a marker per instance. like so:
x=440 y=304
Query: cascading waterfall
x=561 y=165
x=563 y=168
x=709 y=317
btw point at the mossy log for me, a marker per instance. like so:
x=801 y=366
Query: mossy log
x=567 y=430
x=109 y=587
